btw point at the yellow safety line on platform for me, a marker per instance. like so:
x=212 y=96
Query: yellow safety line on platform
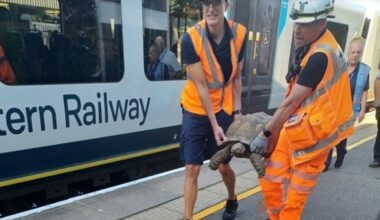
x=215 y=208
x=211 y=210
x=352 y=146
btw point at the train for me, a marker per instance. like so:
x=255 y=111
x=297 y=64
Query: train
x=82 y=106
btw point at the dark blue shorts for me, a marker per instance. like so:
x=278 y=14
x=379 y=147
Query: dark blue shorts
x=197 y=137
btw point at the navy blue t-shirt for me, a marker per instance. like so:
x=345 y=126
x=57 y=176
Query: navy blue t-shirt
x=314 y=70
x=222 y=51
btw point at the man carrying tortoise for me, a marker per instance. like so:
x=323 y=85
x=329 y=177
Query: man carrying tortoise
x=315 y=115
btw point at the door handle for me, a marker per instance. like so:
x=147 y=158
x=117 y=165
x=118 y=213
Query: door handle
x=257 y=40
x=255 y=51
x=254 y=71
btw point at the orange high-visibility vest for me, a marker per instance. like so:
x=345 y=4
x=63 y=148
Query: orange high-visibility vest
x=6 y=73
x=221 y=93
x=325 y=117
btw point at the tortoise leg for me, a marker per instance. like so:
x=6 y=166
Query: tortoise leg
x=258 y=164
x=242 y=151
x=219 y=157
x=239 y=150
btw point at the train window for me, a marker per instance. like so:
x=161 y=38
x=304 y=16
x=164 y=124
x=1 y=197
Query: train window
x=367 y=22
x=159 y=5
x=340 y=32
x=162 y=32
x=62 y=41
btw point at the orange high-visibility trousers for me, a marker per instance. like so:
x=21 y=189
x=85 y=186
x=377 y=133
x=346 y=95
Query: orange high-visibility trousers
x=285 y=186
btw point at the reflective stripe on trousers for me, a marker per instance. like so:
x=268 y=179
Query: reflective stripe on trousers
x=286 y=187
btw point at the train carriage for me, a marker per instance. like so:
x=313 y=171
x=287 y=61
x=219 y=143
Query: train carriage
x=83 y=107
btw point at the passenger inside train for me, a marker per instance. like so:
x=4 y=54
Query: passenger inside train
x=61 y=42
x=6 y=73
x=157 y=70
x=168 y=57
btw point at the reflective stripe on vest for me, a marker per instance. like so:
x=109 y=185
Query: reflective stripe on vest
x=325 y=142
x=215 y=84
x=234 y=30
x=339 y=67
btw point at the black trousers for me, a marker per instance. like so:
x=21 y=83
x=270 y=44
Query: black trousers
x=376 y=148
x=340 y=152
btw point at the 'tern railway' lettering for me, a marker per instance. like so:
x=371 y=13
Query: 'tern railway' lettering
x=77 y=113
x=88 y=113
x=17 y=120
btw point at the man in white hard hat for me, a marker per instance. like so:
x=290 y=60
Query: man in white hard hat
x=315 y=115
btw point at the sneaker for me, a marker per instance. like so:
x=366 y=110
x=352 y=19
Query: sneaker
x=338 y=164
x=231 y=208
x=374 y=164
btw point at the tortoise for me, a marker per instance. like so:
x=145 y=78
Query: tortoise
x=239 y=135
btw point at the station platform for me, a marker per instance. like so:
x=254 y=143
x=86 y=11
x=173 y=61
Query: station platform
x=351 y=192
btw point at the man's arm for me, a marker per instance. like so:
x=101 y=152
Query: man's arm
x=377 y=92
x=363 y=100
x=363 y=106
x=288 y=107
x=236 y=86
x=196 y=75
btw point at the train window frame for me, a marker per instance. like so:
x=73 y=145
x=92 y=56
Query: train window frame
x=367 y=23
x=170 y=25
x=84 y=45
x=156 y=5
x=340 y=32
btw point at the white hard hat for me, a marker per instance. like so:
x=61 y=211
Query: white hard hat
x=306 y=11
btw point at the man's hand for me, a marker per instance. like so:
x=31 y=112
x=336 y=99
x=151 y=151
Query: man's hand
x=219 y=135
x=361 y=116
x=259 y=145
x=237 y=116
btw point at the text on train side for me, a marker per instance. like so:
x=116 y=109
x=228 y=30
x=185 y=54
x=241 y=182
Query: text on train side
x=76 y=113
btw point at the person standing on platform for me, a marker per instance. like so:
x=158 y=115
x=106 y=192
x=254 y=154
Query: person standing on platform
x=213 y=51
x=376 y=148
x=359 y=81
x=315 y=115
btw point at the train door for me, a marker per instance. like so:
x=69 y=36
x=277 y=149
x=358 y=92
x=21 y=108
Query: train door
x=261 y=19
